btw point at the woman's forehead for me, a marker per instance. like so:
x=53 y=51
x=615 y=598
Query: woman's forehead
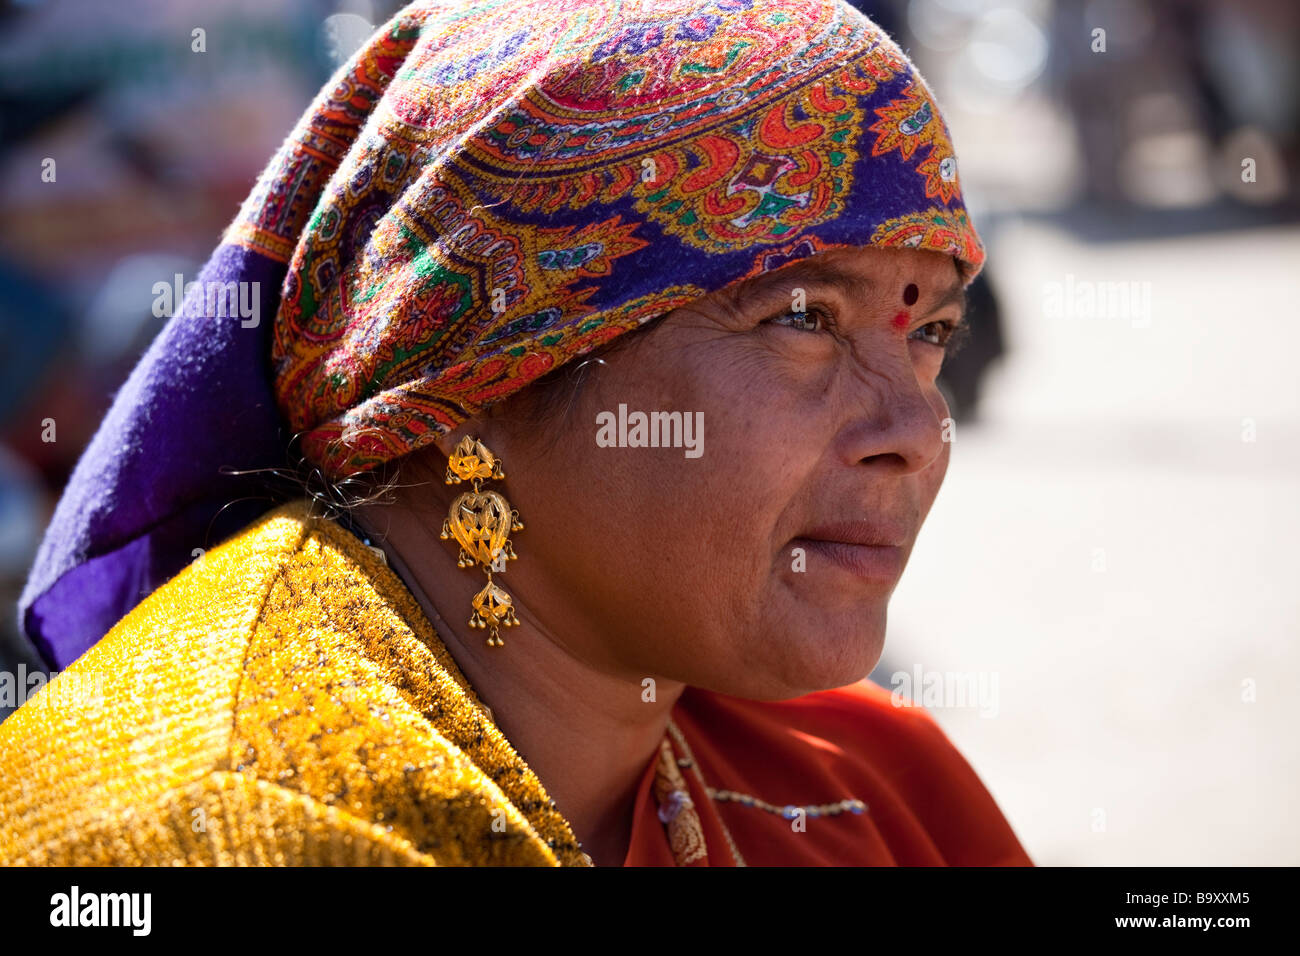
x=857 y=272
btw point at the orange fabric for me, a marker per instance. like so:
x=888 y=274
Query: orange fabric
x=925 y=805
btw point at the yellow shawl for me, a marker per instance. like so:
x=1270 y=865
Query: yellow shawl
x=283 y=700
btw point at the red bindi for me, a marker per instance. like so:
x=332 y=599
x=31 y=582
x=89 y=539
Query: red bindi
x=911 y=294
x=900 y=320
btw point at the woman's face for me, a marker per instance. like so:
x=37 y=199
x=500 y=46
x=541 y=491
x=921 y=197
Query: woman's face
x=761 y=563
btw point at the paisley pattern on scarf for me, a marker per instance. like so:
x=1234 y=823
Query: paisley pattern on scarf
x=488 y=190
x=947 y=230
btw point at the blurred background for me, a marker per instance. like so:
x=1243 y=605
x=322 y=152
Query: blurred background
x=1111 y=560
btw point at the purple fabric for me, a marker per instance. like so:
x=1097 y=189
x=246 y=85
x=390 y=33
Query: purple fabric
x=149 y=488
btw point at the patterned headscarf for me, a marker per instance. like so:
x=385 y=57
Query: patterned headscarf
x=491 y=190
x=482 y=193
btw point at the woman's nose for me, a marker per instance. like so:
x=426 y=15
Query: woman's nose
x=898 y=420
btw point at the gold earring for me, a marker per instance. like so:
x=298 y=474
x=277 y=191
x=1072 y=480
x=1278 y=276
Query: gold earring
x=481 y=522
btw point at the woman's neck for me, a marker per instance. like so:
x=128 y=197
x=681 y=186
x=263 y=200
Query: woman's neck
x=588 y=735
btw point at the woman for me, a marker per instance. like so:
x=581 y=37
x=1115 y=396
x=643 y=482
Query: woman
x=679 y=543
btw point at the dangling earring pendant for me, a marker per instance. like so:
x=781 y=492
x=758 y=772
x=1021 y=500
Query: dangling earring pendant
x=481 y=523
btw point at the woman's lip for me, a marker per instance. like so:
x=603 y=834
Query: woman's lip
x=872 y=561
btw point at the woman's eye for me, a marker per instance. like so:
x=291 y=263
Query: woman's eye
x=935 y=333
x=812 y=320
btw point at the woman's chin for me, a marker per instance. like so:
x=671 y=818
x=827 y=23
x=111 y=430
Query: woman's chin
x=812 y=656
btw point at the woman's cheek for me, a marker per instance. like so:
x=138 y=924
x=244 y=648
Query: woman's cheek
x=939 y=404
